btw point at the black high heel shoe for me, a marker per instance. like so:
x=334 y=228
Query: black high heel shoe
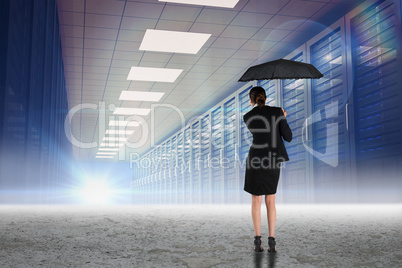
x=272 y=244
x=257 y=244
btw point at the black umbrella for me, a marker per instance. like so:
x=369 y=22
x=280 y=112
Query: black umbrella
x=281 y=69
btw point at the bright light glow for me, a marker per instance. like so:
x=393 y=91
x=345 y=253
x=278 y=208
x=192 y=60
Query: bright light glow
x=141 y=96
x=154 y=74
x=173 y=41
x=119 y=132
x=109 y=149
x=104 y=156
x=114 y=138
x=214 y=3
x=130 y=111
x=96 y=192
x=124 y=123
x=106 y=153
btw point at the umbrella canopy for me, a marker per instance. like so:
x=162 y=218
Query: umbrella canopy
x=281 y=69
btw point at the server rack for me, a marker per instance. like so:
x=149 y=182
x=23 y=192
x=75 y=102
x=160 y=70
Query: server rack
x=163 y=173
x=157 y=175
x=206 y=182
x=271 y=91
x=149 y=184
x=32 y=125
x=144 y=185
x=168 y=172
x=245 y=138
x=216 y=149
x=195 y=169
x=157 y=196
x=174 y=173
x=139 y=187
x=229 y=169
x=153 y=179
x=186 y=167
x=296 y=179
x=165 y=169
x=329 y=123
x=180 y=162
x=375 y=34
x=134 y=187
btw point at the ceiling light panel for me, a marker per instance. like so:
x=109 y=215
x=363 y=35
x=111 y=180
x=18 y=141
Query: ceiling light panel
x=111 y=145
x=109 y=149
x=124 y=123
x=213 y=3
x=114 y=139
x=106 y=153
x=173 y=41
x=141 y=96
x=119 y=132
x=104 y=156
x=131 y=111
x=153 y=74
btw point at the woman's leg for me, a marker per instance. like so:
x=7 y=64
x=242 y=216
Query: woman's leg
x=271 y=213
x=256 y=213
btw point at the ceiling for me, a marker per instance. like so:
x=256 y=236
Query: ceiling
x=101 y=40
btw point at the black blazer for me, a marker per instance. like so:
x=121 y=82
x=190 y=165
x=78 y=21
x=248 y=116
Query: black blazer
x=268 y=126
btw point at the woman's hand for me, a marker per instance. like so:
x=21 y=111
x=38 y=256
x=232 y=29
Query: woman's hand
x=284 y=112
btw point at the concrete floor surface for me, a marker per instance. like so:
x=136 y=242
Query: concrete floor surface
x=344 y=235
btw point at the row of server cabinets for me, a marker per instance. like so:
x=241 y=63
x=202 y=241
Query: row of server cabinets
x=33 y=103
x=346 y=126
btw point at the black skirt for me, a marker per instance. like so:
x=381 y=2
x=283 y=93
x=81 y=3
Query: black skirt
x=262 y=173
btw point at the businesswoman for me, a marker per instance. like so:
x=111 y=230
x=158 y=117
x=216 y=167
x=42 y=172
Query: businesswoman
x=268 y=126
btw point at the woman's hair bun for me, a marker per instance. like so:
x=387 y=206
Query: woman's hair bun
x=260 y=100
x=258 y=96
